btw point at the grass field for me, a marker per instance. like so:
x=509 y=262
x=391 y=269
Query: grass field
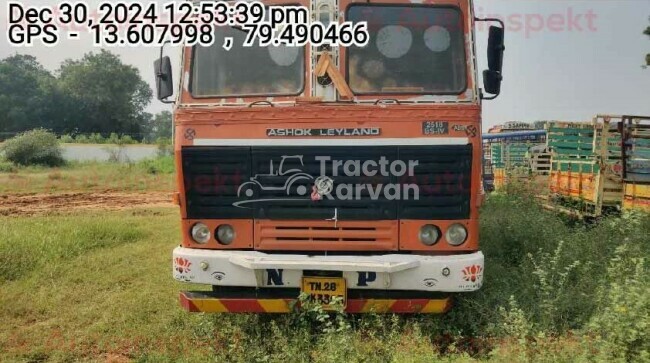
x=96 y=286
x=147 y=175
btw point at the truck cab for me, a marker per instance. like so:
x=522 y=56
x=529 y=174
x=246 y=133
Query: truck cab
x=386 y=139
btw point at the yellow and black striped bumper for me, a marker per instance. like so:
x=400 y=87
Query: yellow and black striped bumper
x=209 y=303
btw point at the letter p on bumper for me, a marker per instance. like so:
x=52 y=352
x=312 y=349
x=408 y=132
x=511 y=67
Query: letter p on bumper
x=366 y=277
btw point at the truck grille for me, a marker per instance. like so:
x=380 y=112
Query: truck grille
x=218 y=183
x=212 y=176
x=270 y=235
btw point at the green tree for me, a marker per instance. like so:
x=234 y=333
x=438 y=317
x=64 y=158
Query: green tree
x=27 y=92
x=160 y=126
x=104 y=95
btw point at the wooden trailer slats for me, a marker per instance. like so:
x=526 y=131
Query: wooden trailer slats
x=586 y=163
x=636 y=152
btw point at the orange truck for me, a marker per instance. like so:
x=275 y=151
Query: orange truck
x=339 y=174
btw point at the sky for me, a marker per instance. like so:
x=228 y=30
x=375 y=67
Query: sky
x=565 y=60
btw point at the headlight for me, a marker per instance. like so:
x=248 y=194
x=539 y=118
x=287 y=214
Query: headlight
x=225 y=234
x=429 y=234
x=200 y=233
x=456 y=234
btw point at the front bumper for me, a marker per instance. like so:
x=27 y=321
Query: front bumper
x=390 y=272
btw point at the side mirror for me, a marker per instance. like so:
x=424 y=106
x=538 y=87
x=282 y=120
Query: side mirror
x=492 y=82
x=164 y=81
x=496 y=49
x=493 y=76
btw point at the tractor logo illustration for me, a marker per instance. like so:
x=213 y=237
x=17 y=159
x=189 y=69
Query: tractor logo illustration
x=294 y=179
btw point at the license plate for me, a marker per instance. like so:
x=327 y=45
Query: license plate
x=323 y=289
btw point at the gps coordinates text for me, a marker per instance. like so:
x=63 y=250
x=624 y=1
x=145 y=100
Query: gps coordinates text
x=118 y=23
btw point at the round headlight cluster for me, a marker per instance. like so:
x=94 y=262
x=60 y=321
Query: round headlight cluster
x=225 y=234
x=429 y=234
x=200 y=233
x=456 y=234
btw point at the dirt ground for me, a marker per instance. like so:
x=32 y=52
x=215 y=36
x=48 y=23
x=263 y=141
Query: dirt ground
x=39 y=204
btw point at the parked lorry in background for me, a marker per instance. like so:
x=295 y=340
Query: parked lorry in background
x=636 y=162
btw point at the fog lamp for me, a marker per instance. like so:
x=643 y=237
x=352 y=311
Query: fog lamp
x=200 y=233
x=225 y=234
x=456 y=234
x=429 y=234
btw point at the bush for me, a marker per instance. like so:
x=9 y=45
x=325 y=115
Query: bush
x=113 y=138
x=116 y=139
x=160 y=165
x=6 y=167
x=67 y=139
x=127 y=140
x=552 y=267
x=96 y=139
x=81 y=139
x=36 y=147
x=164 y=146
x=622 y=321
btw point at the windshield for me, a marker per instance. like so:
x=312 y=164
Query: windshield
x=412 y=49
x=246 y=71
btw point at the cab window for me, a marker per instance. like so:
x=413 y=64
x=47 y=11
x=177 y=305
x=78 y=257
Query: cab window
x=412 y=49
